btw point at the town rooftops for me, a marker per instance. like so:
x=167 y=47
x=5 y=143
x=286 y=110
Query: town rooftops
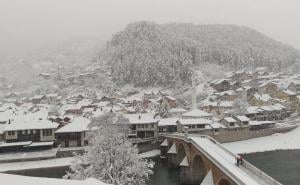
x=78 y=124
x=197 y=114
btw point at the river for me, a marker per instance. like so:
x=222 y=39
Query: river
x=284 y=166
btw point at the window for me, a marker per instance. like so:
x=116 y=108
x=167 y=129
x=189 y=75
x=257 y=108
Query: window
x=11 y=133
x=200 y=126
x=47 y=132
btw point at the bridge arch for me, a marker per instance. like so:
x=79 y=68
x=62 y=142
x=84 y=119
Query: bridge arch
x=223 y=182
x=198 y=170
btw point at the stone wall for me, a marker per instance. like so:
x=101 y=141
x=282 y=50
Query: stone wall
x=231 y=135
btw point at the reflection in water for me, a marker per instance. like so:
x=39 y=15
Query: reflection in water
x=284 y=165
x=162 y=174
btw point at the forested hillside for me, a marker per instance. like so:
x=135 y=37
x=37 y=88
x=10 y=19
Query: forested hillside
x=146 y=53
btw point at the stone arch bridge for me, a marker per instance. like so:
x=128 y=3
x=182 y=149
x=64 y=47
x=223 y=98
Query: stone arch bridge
x=203 y=161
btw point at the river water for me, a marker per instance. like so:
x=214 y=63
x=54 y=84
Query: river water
x=284 y=166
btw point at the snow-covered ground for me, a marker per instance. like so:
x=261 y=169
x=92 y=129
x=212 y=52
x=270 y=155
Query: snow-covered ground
x=51 y=153
x=23 y=180
x=151 y=153
x=278 y=141
x=66 y=161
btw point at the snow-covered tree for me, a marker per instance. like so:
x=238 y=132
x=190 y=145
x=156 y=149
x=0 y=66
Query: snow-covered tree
x=163 y=108
x=240 y=107
x=111 y=157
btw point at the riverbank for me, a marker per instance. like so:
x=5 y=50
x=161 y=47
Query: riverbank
x=278 y=141
x=57 y=162
x=23 y=180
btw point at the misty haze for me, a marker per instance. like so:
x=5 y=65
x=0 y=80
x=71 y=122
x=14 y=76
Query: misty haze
x=137 y=92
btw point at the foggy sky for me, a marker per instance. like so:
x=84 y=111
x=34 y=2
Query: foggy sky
x=27 y=24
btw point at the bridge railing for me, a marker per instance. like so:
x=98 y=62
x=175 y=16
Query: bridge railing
x=251 y=168
x=246 y=164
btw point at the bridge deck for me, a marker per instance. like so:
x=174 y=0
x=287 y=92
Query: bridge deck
x=227 y=161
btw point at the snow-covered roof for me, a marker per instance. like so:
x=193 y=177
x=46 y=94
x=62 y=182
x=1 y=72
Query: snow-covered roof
x=229 y=92
x=167 y=121
x=226 y=104
x=217 y=125
x=103 y=103
x=219 y=81
x=196 y=113
x=29 y=123
x=171 y=98
x=70 y=107
x=164 y=143
x=289 y=92
x=79 y=124
x=172 y=150
x=85 y=102
x=195 y=121
x=38 y=96
x=252 y=110
x=267 y=108
x=141 y=118
x=263 y=97
x=184 y=162
x=230 y=120
x=243 y=118
x=51 y=95
x=208 y=180
x=177 y=110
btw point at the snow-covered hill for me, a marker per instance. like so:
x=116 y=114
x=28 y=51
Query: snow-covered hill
x=146 y=53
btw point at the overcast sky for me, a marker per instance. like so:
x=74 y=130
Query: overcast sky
x=26 y=24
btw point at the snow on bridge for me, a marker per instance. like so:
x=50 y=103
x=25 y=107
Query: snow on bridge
x=225 y=160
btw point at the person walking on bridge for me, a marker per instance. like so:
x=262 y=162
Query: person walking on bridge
x=238 y=159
